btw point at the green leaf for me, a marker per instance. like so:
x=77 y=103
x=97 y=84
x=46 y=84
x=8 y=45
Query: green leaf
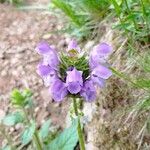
x=45 y=129
x=67 y=140
x=17 y=98
x=12 y=119
x=28 y=134
x=22 y=99
x=143 y=83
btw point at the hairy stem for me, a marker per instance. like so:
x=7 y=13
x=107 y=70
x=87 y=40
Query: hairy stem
x=79 y=128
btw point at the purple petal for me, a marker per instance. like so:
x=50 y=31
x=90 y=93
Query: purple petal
x=98 y=55
x=74 y=76
x=58 y=90
x=73 y=46
x=101 y=72
x=74 y=87
x=103 y=49
x=51 y=59
x=44 y=70
x=88 y=91
x=99 y=81
x=43 y=48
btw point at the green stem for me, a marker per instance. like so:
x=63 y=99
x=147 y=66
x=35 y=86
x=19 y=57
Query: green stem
x=129 y=12
x=79 y=128
x=37 y=141
x=36 y=136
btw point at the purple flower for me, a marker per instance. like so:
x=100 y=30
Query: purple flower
x=47 y=73
x=88 y=91
x=100 y=74
x=73 y=48
x=58 y=90
x=97 y=80
x=74 y=81
x=98 y=54
x=71 y=80
x=44 y=70
x=43 y=48
x=51 y=60
x=73 y=45
x=49 y=55
x=102 y=49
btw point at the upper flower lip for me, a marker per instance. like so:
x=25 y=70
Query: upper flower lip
x=74 y=81
x=102 y=49
x=102 y=72
x=73 y=47
x=43 y=48
x=74 y=76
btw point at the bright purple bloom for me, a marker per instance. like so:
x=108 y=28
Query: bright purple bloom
x=73 y=46
x=98 y=54
x=49 y=55
x=43 y=48
x=99 y=81
x=58 y=90
x=47 y=73
x=101 y=72
x=44 y=70
x=51 y=60
x=102 y=49
x=88 y=91
x=74 y=81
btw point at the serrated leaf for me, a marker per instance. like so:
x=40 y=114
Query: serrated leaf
x=45 y=129
x=67 y=140
x=28 y=134
x=12 y=119
x=17 y=98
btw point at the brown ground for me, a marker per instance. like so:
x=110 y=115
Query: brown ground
x=20 y=31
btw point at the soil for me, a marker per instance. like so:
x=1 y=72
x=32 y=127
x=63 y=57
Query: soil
x=20 y=31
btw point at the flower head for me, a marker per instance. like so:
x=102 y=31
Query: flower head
x=69 y=75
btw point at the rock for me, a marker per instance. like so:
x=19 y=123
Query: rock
x=90 y=146
x=19 y=126
x=46 y=36
x=3 y=73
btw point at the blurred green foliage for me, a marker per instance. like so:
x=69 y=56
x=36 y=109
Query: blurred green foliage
x=32 y=137
x=14 y=2
x=83 y=15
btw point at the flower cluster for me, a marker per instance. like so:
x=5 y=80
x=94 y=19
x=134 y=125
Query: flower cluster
x=74 y=73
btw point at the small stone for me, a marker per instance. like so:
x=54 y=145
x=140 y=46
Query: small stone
x=3 y=73
x=18 y=126
x=2 y=114
x=36 y=109
x=46 y=36
x=11 y=129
